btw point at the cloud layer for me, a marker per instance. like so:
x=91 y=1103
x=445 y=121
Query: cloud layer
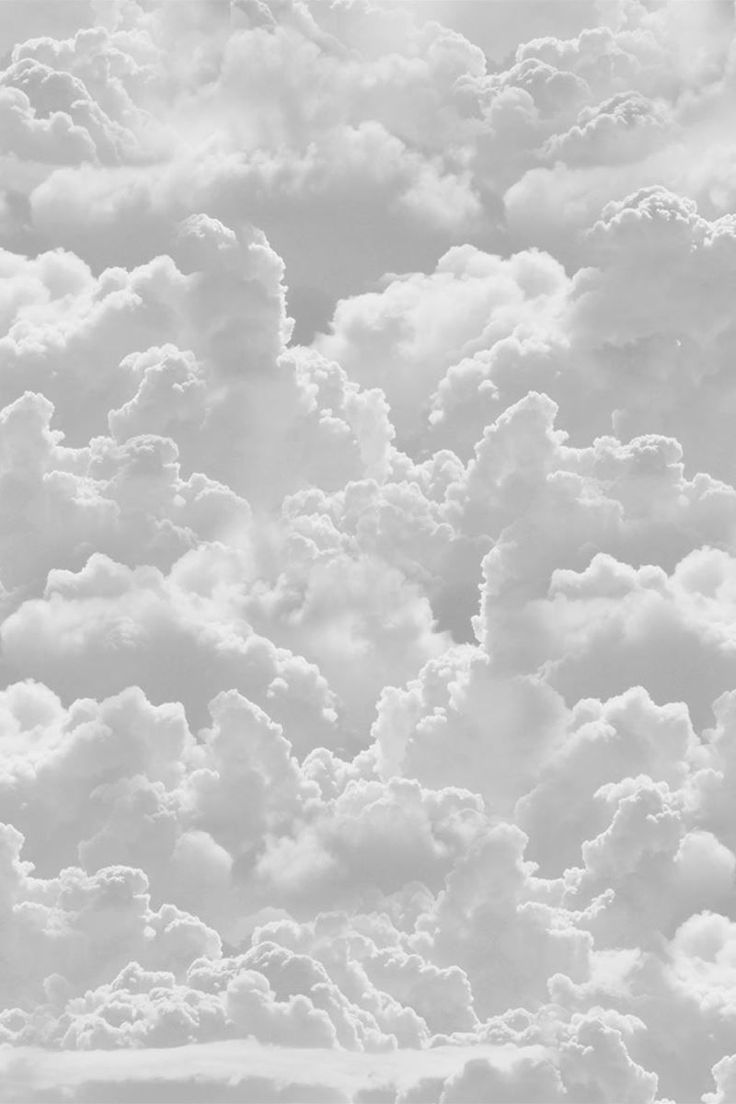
x=367 y=551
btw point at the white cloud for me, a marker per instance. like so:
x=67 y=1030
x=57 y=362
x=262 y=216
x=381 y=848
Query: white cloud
x=367 y=513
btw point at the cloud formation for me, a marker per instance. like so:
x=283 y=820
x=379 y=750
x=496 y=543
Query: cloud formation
x=367 y=563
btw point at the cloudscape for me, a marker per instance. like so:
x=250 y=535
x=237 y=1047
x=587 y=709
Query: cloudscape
x=368 y=551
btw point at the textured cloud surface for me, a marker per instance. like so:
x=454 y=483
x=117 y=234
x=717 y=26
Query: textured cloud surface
x=368 y=551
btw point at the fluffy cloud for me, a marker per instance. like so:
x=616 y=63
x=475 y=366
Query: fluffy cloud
x=409 y=336
x=367 y=577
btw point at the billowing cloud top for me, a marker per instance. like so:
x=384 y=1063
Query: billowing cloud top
x=368 y=551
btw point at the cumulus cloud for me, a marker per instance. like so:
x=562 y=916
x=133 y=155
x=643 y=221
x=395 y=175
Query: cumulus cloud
x=367 y=577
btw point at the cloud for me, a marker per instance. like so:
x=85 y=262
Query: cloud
x=420 y=326
x=279 y=156
x=367 y=518
x=648 y=604
x=529 y=1080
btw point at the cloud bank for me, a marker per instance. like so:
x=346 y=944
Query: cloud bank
x=367 y=551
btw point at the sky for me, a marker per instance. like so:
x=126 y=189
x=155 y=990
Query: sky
x=367 y=551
